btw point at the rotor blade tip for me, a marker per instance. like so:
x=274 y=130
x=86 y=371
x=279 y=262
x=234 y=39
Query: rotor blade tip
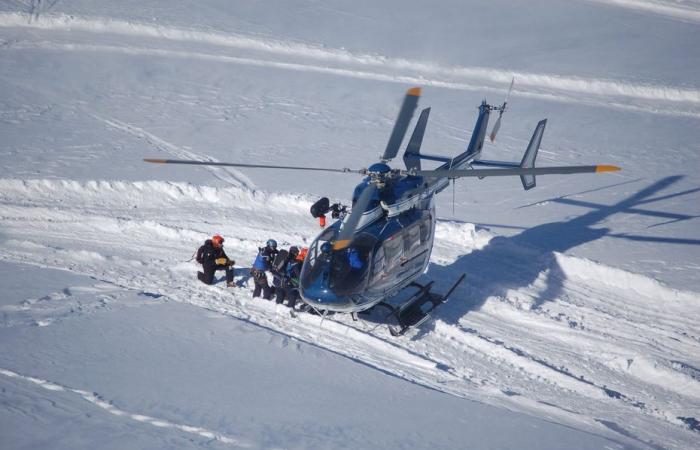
x=414 y=92
x=605 y=168
x=157 y=161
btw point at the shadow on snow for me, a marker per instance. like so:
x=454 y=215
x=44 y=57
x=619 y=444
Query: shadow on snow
x=510 y=263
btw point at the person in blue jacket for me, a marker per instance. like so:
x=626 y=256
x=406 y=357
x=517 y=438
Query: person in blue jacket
x=263 y=263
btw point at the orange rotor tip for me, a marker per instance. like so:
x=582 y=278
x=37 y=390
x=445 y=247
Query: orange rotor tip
x=414 y=92
x=605 y=168
x=157 y=161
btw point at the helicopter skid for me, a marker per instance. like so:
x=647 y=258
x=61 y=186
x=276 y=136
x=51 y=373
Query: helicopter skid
x=417 y=308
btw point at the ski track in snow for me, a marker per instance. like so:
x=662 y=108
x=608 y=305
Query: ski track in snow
x=599 y=92
x=612 y=349
x=108 y=406
x=227 y=175
x=686 y=12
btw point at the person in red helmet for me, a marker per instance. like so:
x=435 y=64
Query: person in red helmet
x=212 y=257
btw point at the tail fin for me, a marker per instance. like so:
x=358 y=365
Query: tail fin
x=411 y=156
x=476 y=143
x=528 y=161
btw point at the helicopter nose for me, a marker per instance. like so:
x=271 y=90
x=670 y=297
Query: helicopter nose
x=326 y=299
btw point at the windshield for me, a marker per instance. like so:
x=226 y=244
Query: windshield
x=343 y=271
x=316 y=259
x=350 y=266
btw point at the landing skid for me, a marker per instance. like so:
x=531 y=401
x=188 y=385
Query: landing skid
x=417 y=308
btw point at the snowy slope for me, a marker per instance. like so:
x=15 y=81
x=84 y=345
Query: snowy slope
x=581 y=302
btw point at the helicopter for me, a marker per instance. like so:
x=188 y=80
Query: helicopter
x=383 y=244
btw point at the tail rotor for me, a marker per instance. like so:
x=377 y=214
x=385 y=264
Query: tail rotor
x=501 y=109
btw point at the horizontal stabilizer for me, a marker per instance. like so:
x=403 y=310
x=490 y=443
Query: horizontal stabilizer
x=435 y=157
x=482 y=173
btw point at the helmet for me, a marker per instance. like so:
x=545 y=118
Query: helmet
x=302 y=254
x=272 y=243
x=217 y=240
x=293 y=251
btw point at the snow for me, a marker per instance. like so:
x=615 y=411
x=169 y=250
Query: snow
x=576 y=325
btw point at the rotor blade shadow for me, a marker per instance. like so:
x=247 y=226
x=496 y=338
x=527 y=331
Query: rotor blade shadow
x=518 y=261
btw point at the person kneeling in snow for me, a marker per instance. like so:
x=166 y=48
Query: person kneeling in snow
x=212 y=257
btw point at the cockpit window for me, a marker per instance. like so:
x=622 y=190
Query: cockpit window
x=350 y=266
x=317 y=258
x=346 y=271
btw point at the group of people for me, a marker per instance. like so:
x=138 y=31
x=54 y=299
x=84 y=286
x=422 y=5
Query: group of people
x=284 y=266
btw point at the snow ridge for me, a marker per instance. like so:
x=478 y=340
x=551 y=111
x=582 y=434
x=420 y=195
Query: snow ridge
x=143 y=194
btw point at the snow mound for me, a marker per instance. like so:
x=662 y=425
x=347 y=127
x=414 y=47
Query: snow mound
x=148 y=194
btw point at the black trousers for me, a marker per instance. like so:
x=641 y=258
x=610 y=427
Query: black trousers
x=290 y=293
x=261 y=285
x=207 y=277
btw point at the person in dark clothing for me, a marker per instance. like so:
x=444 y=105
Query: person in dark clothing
x=212 y=257
x=262 y=264
x=291 y=285
x=281 y=276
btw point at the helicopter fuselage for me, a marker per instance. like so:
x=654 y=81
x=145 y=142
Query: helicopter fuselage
x=393 y=241
x=386 y=254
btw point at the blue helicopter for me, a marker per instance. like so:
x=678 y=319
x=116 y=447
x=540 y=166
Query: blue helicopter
x=381 y=247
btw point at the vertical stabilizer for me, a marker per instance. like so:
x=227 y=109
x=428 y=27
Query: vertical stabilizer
x=528 y=161
x=476 y=143
x=411 y=156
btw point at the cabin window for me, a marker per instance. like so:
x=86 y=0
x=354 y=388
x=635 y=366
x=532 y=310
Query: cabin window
x=411 y=239
x=378 y=263
x=393 y=250
x=425 y=229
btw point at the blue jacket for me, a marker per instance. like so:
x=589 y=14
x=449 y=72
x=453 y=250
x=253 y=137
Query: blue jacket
x=292 y=273
x=354 y=259
x=264 y=259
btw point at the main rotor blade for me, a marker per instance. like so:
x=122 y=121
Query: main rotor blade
x=481 y=173
x=348 y=230
x=254 y=166
x=410 y=102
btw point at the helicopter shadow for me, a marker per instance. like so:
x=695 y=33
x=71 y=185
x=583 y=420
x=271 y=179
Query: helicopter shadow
x=518 y=261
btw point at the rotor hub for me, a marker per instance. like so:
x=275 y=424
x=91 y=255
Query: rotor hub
x=379 y=168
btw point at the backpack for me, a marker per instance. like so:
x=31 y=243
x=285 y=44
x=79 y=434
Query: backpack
x=278 y=265
x=205 y=252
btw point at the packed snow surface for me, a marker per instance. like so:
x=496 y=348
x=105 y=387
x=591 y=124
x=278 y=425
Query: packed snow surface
x=577 y=323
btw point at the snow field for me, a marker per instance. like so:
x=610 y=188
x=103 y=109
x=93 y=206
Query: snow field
x=579 y=304
x=604 y=340
x=599 y=92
